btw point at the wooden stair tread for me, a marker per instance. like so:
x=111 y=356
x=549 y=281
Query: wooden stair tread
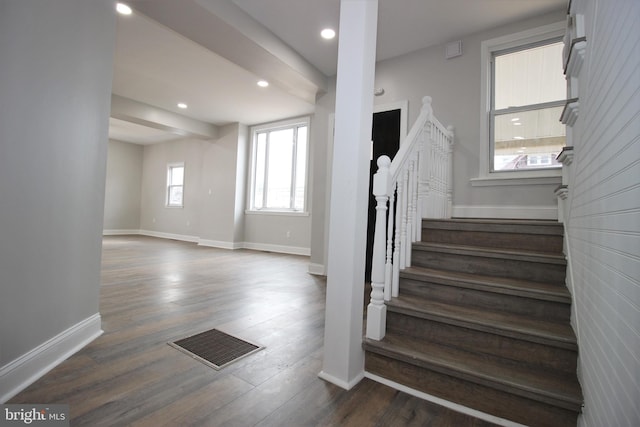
x=487 y=252
x=483 y=319
x=501 y=285
x=520 y=226
x=551 y=389
x=540 y=331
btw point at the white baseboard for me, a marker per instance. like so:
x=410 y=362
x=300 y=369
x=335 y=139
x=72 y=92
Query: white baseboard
x=347 y=385
x=317 y=269
x=293 y=250
x=506 y=212
x=26 y=369
x=266 y=247
x=220 y=244
x=442 y=402
x=119 y=232
x=162 y=235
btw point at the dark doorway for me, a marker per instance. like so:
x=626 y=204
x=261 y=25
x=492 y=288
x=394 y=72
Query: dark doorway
x=386 y=141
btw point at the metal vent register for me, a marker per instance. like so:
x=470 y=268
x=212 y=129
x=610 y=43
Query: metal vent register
x=215 y=348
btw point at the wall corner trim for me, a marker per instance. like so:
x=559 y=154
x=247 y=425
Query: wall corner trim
x=267 y=247
x=347 y=385
x=317 y=269
x=171 y=236
x=220 y=244
x=120 y=232
x=20 y=373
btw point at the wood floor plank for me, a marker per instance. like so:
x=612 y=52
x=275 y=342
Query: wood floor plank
x=155 y=291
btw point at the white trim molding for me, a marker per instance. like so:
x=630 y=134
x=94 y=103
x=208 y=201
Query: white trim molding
x=570 y=112
x=266 y=247
x=162 y=235
x=31 y=366
x=220 y=244
x=317 y=269
x=554 y=178
x=442 y=402
x=122 y=232
x=340 y=383
x=487 y=47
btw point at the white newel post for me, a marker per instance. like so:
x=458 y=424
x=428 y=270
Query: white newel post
x=416 y=184
x=377 y=310
x=343 y=361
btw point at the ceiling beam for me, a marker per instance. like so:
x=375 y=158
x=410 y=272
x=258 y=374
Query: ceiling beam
x=157 y=118
x=225 y=29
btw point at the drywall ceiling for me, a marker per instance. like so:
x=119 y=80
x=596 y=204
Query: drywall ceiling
x=210 y=53
x=403 y=25
x=157 y=66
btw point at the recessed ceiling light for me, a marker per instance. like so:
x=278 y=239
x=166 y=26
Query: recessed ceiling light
x=515 y=119
x=517 y=124
x=182 y=105
x=123 y=9
x=328 y=33
x=263 y=83
x=518 y=137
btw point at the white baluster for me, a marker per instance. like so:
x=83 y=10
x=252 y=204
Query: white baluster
x=408 y=237
x=388 y=266
x=450 y=142
x=377 y=310
x=404 y=202
x=421 y=173
x=395 y=274
x=417 y=184
x=416 y=199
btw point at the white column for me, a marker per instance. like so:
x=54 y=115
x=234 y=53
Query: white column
x=343 y=355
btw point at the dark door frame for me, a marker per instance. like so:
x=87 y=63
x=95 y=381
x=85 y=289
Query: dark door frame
x=403 y=106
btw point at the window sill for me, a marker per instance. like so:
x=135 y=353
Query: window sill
x=540 y=177
x=276 y=213
x=173 y=207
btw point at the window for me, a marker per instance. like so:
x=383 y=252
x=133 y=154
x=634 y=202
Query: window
x=523 y=93
x=175 y=184
x=279 y=166
x=529 y=91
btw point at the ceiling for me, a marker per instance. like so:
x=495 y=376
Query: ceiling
x=209 y=54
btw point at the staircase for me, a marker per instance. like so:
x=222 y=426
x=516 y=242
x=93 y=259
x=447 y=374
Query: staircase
x=482 y=320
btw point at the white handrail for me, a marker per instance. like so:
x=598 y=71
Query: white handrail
x=416 y=185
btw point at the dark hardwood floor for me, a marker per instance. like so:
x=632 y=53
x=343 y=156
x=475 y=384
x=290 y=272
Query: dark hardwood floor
x=155 y=291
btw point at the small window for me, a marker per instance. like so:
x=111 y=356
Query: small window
x=528 y=95
x=279 y=167
x=175 y=185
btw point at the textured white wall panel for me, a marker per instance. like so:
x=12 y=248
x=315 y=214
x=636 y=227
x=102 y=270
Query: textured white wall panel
x=604 y=214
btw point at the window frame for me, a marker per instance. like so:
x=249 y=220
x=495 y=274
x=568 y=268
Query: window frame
x=271 y=127
x=512 y=42
x=169 y=185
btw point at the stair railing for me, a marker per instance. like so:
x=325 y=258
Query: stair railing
x=416 y=184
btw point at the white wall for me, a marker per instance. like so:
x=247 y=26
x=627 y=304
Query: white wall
x=56 y=61
x=604 y=221
x=214 y=197
x=123 y=188
x=221 y=196
x=155 y=217
x=278 y=233
x=454 y=85
x=321 y=129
